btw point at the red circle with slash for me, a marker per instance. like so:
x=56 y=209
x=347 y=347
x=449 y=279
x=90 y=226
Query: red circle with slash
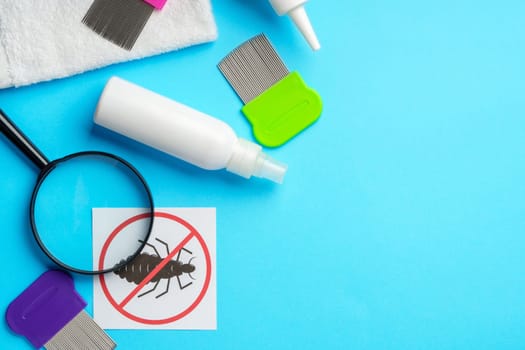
x=193 y=234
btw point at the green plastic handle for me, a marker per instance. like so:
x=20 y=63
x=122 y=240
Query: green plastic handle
x=283 y=111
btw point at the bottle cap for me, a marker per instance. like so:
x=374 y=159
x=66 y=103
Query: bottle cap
x=301 y=20
x=269 y=168
x=295 y=9
x=248 y=160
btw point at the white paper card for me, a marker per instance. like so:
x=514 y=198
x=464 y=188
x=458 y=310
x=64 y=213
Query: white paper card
x=182 y=295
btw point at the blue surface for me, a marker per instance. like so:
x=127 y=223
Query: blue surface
x=401 y=221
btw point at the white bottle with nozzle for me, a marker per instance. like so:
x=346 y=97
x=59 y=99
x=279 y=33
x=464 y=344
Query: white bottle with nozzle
x=181 y=131
x=295 y=9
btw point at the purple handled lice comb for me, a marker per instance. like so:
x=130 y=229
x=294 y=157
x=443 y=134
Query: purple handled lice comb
x=50 y=313
x=121 y=21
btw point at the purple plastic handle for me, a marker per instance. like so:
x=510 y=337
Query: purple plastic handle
x=158 y=4
x=45 y=307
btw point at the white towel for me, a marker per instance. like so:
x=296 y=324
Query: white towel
x=45 y=39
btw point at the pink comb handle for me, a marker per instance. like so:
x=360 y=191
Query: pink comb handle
x=158 y=4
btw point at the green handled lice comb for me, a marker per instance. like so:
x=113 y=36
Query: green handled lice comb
x=278 y=104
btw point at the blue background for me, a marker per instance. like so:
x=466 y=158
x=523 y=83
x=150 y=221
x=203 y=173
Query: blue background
x=401 y=221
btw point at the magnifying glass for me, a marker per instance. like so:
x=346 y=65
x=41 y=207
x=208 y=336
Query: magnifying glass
x=66 y=192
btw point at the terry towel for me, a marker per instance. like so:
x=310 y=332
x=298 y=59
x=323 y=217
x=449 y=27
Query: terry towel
x=45 y=39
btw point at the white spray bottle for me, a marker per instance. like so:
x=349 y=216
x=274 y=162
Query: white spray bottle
x=295 y=9
x=181 y=131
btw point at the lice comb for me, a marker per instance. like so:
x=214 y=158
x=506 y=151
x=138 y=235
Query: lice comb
x=121 y=21
x=50 y=313
x=278 y=104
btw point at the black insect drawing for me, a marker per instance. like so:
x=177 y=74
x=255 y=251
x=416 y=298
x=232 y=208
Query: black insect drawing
x=136 y=270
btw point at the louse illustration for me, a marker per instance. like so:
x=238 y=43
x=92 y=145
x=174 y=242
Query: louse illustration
x=136 y=270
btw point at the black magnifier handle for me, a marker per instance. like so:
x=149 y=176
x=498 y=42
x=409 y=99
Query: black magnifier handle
x=18 y=138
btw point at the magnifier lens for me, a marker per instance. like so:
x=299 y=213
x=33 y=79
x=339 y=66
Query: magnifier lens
x=64 y=202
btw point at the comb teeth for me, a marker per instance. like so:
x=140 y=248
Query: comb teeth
x=253 y=67
x=81 y=333
x=119 y=21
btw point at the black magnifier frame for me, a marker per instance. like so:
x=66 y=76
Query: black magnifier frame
x=19 y=139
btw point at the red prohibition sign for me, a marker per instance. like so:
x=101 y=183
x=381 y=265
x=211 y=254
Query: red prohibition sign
x=193 y=234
